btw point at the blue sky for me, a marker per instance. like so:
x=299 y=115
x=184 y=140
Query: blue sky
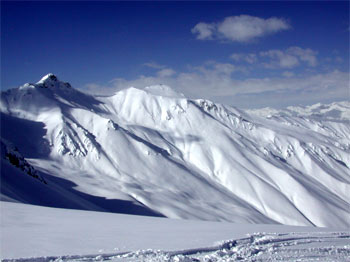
x=247 y=54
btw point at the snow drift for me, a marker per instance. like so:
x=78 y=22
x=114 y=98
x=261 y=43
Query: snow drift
x=164 y=154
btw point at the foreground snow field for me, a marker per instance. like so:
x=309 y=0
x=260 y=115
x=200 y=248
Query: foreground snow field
x=154 y=152
x=33 y=233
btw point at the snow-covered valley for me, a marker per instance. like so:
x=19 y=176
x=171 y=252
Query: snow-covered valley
x=154 y=152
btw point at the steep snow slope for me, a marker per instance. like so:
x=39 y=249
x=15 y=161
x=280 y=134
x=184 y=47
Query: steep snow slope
x=21 y=182
x=187 y=158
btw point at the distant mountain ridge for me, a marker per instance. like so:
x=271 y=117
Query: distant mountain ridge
x=334 y=111
x=168 y=155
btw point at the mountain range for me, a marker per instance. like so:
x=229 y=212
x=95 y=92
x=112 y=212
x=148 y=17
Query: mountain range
x=154 y=152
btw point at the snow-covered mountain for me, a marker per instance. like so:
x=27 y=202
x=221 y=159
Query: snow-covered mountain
x=156 y=152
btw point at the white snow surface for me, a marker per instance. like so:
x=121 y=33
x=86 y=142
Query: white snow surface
x=181 y=158
x=34 y=233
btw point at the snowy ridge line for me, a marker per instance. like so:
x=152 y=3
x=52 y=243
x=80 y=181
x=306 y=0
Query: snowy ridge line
x=305 y=246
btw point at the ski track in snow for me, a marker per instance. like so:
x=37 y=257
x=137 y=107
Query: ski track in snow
x=317 y=246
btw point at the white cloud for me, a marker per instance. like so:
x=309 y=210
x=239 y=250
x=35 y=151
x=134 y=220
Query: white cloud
x=288 y=74
x=282 y=92
x=203 y=31
x=338 y=59
x=334 y=59
x=166 y=72
x=290 y=57
x=218 y=82
x=306 y=55
x=249 y=58
x=280 y=59
x=154 y=65
x=243 y=28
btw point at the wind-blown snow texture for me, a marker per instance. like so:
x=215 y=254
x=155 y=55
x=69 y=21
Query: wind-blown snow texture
x=183 y=158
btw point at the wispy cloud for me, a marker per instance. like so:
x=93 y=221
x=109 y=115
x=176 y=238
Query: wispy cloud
x=154 y=65
x=290 y=57
x=273 y=59
x=204 y=31
x=243 y=28
x=288 y=74
x=307 y=55
x=279 y=58
x=249 y=58
x=219 y=82
x=166 y=72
